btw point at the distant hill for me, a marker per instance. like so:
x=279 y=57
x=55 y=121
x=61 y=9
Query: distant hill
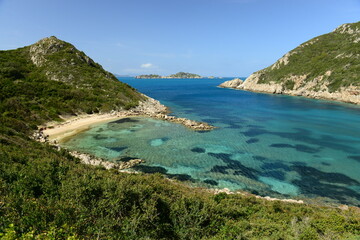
x=184 y=75
x=149 y=76
x=177 y=75
x=327 y=67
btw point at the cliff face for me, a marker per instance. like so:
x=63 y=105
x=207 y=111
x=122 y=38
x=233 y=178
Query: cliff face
x=326 y=67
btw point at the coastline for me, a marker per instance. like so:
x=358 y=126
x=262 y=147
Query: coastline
x=345 y=95
x=307 y=96
x=55 y=132
x=58 y=131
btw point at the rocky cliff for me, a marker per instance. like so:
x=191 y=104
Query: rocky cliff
x=325 y=67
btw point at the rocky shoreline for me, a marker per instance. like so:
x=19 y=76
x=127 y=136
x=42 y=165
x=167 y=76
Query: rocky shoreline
x=94 y=161
x=89 y=159
x=346 y=95
x=149 y=108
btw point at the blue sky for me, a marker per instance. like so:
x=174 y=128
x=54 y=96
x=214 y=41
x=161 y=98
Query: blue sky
x=207 y=37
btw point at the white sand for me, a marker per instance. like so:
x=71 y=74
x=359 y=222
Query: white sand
x=60 y=131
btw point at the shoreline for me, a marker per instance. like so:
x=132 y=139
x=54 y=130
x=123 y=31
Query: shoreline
x=58 y=131
x=343 y=96
x=307 y=96
x=55 y=132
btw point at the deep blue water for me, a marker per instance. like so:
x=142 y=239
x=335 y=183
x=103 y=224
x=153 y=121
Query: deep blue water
x=274 y=145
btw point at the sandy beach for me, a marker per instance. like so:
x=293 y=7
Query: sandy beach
x=58 y=131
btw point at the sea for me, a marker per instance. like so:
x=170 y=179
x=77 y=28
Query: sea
x=269 y=145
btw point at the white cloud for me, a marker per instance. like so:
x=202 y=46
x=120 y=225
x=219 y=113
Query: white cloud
x=147 y=65
x=145 y=68
x=121 y=45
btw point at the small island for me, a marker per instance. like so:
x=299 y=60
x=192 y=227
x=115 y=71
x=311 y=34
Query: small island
x=149 y=76
x=177 y=75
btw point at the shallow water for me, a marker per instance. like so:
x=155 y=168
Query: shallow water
x=273 y=145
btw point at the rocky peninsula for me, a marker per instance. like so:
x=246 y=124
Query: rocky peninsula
x=325 y=67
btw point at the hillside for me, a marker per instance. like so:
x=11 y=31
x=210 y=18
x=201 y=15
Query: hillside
x=326 y=67
x=45 y=193
x=52 y=77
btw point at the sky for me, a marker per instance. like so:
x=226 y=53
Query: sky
x=207 y=37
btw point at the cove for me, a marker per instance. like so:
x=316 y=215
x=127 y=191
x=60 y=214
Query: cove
x=281 y=146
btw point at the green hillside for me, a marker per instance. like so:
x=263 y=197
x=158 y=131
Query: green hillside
x=333 y=58
x=48 y=194
x=51 y=77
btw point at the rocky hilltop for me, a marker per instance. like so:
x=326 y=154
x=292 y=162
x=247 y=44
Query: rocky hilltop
x=325 y=67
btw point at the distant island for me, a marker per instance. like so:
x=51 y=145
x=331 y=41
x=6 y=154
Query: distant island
x=177 y=75
x=149 y=76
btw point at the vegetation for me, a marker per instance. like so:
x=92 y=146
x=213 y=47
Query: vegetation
x=184 y=75
x=338 y=52
x=149 y=76
x=48 y=194
x=65 y=81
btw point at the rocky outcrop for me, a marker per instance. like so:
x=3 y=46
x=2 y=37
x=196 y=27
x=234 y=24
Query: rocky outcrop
x=325 y=67
x=41 y=50
x=91 y=160
x=85 y=158
x=303 y=88
x=232 y=83
x=44 y=47
x=150 y=106
x=40 y=136
x=197 y=126
x=154 y=109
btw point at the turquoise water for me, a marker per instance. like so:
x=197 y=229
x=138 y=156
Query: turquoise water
x=273 y=145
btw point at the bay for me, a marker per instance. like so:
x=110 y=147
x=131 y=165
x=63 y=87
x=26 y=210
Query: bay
x=280 y=146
